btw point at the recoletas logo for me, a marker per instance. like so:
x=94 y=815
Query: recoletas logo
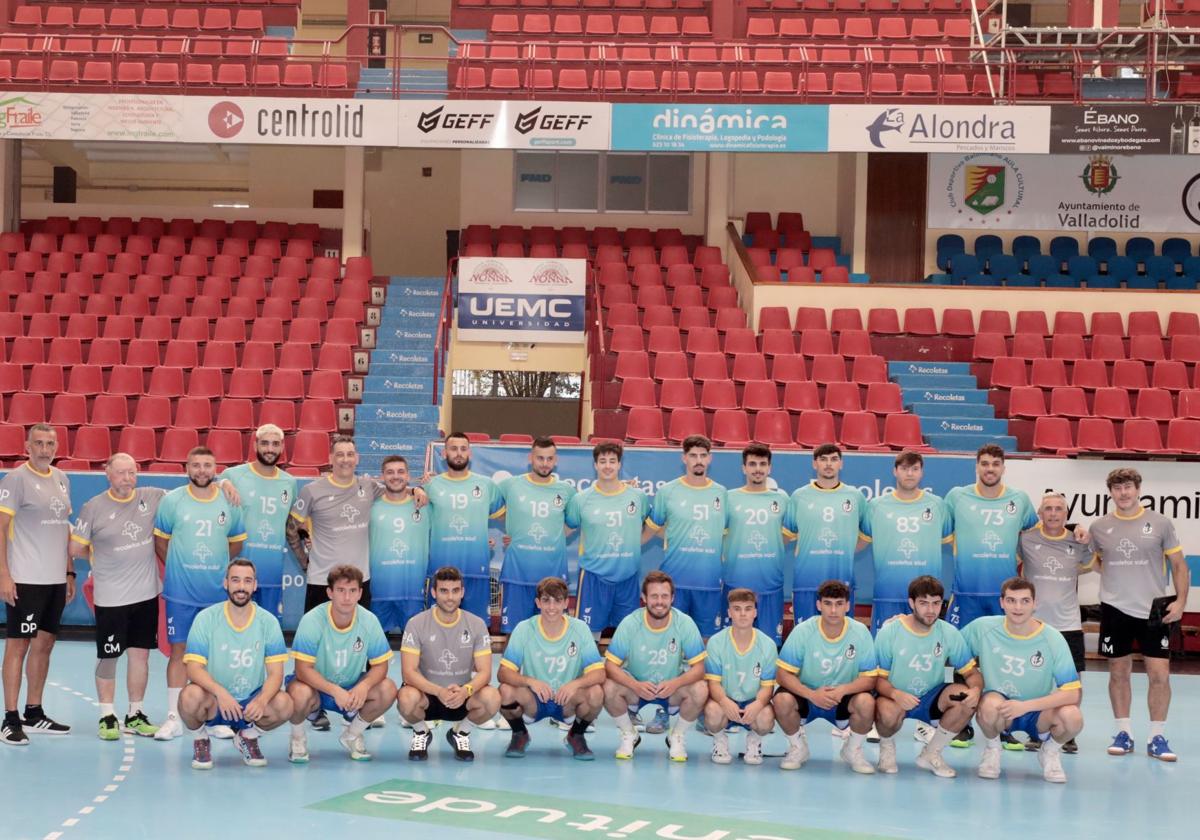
x=226 y=119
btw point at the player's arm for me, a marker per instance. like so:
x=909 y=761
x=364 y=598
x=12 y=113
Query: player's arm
x=1181 y=577
x=718 y=695
x=161 y=543
x=257 y=707
x=8 y=589
x=296 y=542
x=482 y=677
x=231 y=492
x=1053 y=700
x=788 y=677
x=410 y=672
x=614 y=670
x=376 y=673
x=650 y=531
x=235 y=547
x=197 y=672
x=694 y=674
x=592 y=675
x=863 y=682
x=307 y=673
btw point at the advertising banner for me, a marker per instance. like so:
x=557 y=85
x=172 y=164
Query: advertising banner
x=505 y=125
x=70 y=116
x=669 y=127
x=290 y=121
x=526 y=300
x=1008 y=129
x=1125 y=129
x=1094 y=193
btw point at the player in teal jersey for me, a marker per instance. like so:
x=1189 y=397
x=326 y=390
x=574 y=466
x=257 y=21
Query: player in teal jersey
x=740 y=670
x=267 y=494
x=342 y=659
x=907 y=530
x=235 y=659
x=754 y=540
x=1030 y=682
x=827 y=670
x=827 y=518
x=399 y=540
x=988 y=519
x=535 y=509
x=463 y=504
x=551 y=668
x=912 y=651
x=689 y=514
x=196 y=533
x=656 y=655
x=609 y=516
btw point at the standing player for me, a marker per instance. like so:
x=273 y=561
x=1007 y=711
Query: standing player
x=36 y=581
x=447 y=660
x=912 y=651
x=115 y=532
x=908 y=529
x=1030 y=684
x=740 y=670
x=754 y=549
x=267 y=494
x=342 y=659
x=689 y=514
x=1052 y=560
x=551 y=668
x=1135 y=546
x=827 y=517
x=609 y=516
x=399 y=537
x=827 y=670
x=196 y=533
x=235 y=658
x=463 y=503
x=535 y=508
x=656 y=655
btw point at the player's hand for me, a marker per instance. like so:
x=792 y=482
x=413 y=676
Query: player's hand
x=71 y=589
x=646 y=690
x=825 y=698
x=904 y=700
x=1082 y=535
x=972 y=698
x=666 y=688
x=8 y=590
x=342 y=697
x=420 y=497
x=1010 y=710
x=358 y=696
x=731 y=710
x=1174 y=612
x=255 y=709
x=230 y=709
x=541 y=690
x=566 y=693
x=452 y=696
x=507 y=540
x=751 y=712
x=231 y=494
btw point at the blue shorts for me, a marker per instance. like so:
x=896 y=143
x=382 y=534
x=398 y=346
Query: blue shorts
x=270 y=598
x=1027 y=723
x=477 y=597
x=600 y=603
x=770 y=613
x=704 y=606
x=927 y=710
x=179 y=621
x=548 y=710
x=393 y=614
x=235 y=725
x=804 y=603
x=882 y=610
x=328 y=704
x=964 y=609
x=516 y=604
x=733 y=724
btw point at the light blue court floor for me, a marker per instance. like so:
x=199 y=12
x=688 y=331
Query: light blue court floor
x=79 y=787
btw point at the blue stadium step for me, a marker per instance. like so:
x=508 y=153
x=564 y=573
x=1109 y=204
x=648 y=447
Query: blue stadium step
x=950 y=396
x=364 y=429
x=952 y=442
x=402 y=336
x=987 y=427
x=414 y=313
x=938 y=369
x=908 y=381
x=407 y=356
x=977 y=410
x=388 y=445
x=380 y=412
x=414 y=371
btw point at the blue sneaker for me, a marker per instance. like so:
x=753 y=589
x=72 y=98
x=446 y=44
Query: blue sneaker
x=659 y=724
x=1122 y=744
x=1160 y=749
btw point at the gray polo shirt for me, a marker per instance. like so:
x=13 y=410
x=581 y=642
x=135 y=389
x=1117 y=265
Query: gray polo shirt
x=447 y=651
x=1053 y=565
x=40 y=507
x=1133 y=553
x=338 y=519
x=120 y=535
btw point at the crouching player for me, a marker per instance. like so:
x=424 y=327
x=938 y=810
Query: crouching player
x=341 y=658
x=656 y=655
x=551 y=668
x=912 y=651
x=1029 y=678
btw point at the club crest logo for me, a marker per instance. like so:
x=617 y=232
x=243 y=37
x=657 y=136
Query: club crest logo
x=416 y=517
x=1010 y=508
x=847 y=506
x=558 y=500
x=358 y=644
x=1100 y=175
x=465 y=638
x=673 y=646
x=774 y=507
x=477 y=492
x=927 y=515
x=717 y=503
x=983 y=187
x=1037 y=660
x=1147 y=529
x=572 y=649
x=757 y=670
x=937 y=648
x=221 y=518
x=285 y=496
x=362 y=492
x=851 y=652
x=142 y=506
x=631 y=508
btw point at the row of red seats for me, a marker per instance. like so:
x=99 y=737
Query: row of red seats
x=711 y=276
x=1099 y=435
x=598 y=25
x=658 y=5
x=882 y=398
x=163 y=272
x=816 y=259
x=136 y=305
x=943 y=7
x=745 y=367
x=1132 y=374
x=86 y=331
x=65 y=292
x=1148 y=347
x=108 y=244
x=155 y=227
x=759 y=221
x=214 y=19
x=46 y=377
x=591 y=237
x=667 y=340
x=778 y=429
x=517 y=437
x=681 y=296
x=1029 y=402
x=250 y=383
x=62 y=72
x=627 y=319
x=863 y=28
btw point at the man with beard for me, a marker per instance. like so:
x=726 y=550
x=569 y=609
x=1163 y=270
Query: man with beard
x=462 y=504
x=235 y=658
x=197 y=530
x=535 y=507
x=115 y=532
x=689 y=514
x=267 y=494
x=399 y=538
x=656 y=656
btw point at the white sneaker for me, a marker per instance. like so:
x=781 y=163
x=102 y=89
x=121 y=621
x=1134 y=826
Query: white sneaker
x=873 y=735
x=221 y=732
x=753 y=754
x=676 y=744
x=796 y=756
x=494 y=723
x=629 y=742
x=989 y=765
x=935 y=763
x=887 y=756
x=378 y=723
x=298 y=748
x=355 y=745
x=1051 y=761
x=720 y=750
x=857 y=761
x=171 y=728
x=837 y=732
x=923 y=733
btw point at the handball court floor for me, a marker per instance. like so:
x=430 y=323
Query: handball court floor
x=79 y=787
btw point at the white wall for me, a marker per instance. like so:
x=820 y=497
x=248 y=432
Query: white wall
x=807 y=183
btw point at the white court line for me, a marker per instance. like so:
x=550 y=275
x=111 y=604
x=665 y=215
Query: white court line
x=100 y=799
x=70 y=822
x=118 y=778
x=53 y=835
x=86 y=809
x=109 y=788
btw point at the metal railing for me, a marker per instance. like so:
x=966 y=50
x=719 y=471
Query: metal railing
x=441 y=343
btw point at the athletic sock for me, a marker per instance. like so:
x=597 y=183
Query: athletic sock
x=1050 y=746
x=1123 y=725
x=34 y=711
x=624 y=724
x=888 y=739
x=856 y=741
x=1157 y=727
x=251 y=733
x=463 y=726
x=681 y=725
x=993 y=743
x=298 y=731
x=173 y=700
x=11 y=716
x=420 y=726
x=358 y=726
x=517 y=724
x=941 y=737
x=580 y=726
x=796 y=737
x=106 y=709
x=135 y=707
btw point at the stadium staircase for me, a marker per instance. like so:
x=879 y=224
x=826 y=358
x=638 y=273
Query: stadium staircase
x=954 y=411
x=397 y=415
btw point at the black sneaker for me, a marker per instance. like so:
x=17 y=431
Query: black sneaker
x=1071 y=747
x=1032 y=745
x=578 y=746
x=1009 y=742
x=418 y=748
x=321 y=722
x=39 y=724
x=12 y=733
x=964 y=738
x=517 y=745
x=460 y=742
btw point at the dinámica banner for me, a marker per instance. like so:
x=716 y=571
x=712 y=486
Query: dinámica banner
x=526 y=300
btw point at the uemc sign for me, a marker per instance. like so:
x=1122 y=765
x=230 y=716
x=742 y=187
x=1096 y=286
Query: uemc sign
x=525 y=300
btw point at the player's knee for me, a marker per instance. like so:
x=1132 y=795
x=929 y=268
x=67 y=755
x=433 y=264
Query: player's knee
x=784 y=704
x=106 y=669
x=697 y=692
x=385 y=692
x=281 y=705
x=863 y=703
x=488 y=699
x=1070 y=718
x=764 y=721
x=1159 y=676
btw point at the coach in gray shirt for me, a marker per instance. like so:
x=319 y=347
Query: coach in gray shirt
x=1134 y=546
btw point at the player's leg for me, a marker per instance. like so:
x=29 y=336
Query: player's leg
x=516 y=605
x=1158 y=697
x=278 y=711
x=790 y=712
x=483 y=705
x=37 y=663
x=770 y=614
x=882 y=610
x=626 y=599
x=945 y=717
x=479 y=708
x=593 y=599
x=142 y=634
x=413 y=705
x=179 y=624
x=1116 y=644
x=690 y=700
x=804 y=604
x=760 y=727
x=889 y=717
x=585 y=707
x=16 y=647
x=111 y=640
x=715 y=722
x=860 y=709
x=618 y=701
x=477 y=597
x=270 y=598
x=196 y=707
x=706 y=612
x=305 y=702
x=1055 y=727
x=515 y=703
x=992 y=723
